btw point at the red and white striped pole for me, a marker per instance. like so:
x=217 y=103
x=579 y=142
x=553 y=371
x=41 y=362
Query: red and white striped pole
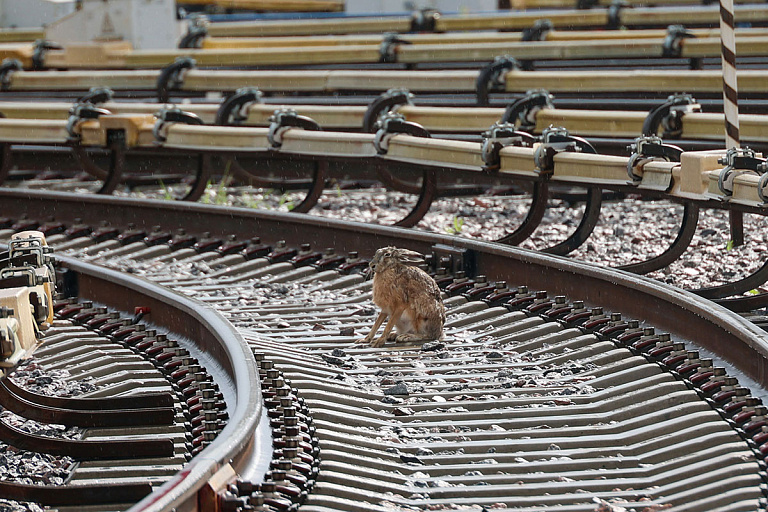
x=730 y=101
x=730 y=86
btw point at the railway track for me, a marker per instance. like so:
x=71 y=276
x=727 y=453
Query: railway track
x=214 y=347
x=530 y=401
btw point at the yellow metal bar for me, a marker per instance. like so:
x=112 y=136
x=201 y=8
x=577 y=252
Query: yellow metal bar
x=517 y=20
x=455 y=38
x=690 y=81
x=411 y=54
x=272 y=5
x=435 y=152
x=328 y=117
x=21 y=51
x=221 y=138
x=45 y=131
x=82 y=80
x=268 y=81
x=21 y=35
x=310 y=27
x=248 y=57
x=202 y=80
x=587 y=168
x=328 y=144
x=752 y=127
x=593 y=123
x=517 y=161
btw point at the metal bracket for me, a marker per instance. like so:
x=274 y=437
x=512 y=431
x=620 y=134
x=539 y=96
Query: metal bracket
x=669 y=115
x=80 y=112
x=424 y=20
x=97 y=95
x=454 y=259
x=388 y=47
x=498 y=136
x=172 y=77
x=7 y=68
x=41 y=47
x=172 y=115
x=738 y=161
x=392 y=124
x=284 y=119
x=673 y=42
x=614 y=14
x=197 y=30
x=522 y=112
x=537 y=32
x=555 y=140
x=650 y=148
x=491 y=77
x=383 y=105
x=232 y=110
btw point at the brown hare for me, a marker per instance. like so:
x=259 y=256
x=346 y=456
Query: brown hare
x=407 y=295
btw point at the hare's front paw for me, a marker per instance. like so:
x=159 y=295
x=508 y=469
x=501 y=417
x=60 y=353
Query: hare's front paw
x=362 y=341
x=378 y=342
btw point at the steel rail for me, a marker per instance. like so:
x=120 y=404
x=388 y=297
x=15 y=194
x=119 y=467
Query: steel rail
x=635 y=17
x=210 y=43
x=586 y=123
x=660 y=83
x=754 y=46
x=270 y=5
x=728 y=335
x=227 y=358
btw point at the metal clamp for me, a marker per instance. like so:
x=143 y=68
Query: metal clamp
x=498 y=136
x=673 y=42
x=585 y=4
x=522 y=112
x=97 y=95
x=669 y=115
x=538 y=32
x=284 y=119
x=385 y=103
x=391 y=124
x=614 y=14
x=7 y=68
x=556 y=140
x=388 y=47
x=81 y=112
x=234 y=109
x=761 y=185
x=197 y=30
x=738 y=161
x=41 y=47
x=172 y=115
x=491 y=77
x=646 y=149
x=33 y=278
x=172 y=77
x=424 y=20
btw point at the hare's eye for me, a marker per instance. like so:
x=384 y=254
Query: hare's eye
x=388 y=254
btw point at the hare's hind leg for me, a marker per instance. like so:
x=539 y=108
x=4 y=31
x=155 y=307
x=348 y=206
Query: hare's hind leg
x=376 y=325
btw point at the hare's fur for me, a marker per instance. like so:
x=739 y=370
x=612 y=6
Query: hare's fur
x=407 y=295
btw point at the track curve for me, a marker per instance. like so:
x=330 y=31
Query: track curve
x=515 y=380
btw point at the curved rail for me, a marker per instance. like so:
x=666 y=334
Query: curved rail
x=227 y=358
x=730 y=336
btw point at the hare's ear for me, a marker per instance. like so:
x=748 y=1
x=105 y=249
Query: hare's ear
x=407 y=256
